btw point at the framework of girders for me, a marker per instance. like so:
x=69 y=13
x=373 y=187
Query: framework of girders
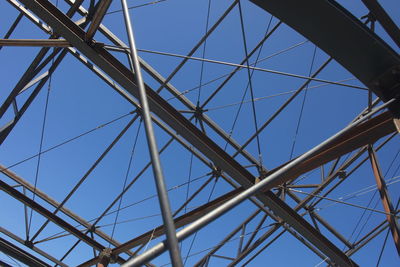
x=376 y=77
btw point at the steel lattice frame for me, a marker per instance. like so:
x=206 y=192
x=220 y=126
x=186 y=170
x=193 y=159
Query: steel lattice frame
x=279 y=195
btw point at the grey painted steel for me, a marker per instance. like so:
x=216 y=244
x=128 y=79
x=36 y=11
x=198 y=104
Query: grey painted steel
x=175 y=120
x=162 y=193
x=341 y=36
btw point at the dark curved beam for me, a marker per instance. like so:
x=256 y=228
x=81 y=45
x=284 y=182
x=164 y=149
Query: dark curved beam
x=346 y=39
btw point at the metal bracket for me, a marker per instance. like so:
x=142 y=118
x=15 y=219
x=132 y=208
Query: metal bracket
x=387 y=87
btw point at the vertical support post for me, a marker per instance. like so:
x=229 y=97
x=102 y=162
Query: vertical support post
x=172 y=241
x=384 y=19
x=387 y=204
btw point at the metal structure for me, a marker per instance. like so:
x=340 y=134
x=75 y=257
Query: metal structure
x=231 y=190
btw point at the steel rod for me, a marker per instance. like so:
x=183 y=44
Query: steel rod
x=34 y=42
x=262 y=185
x=170 y=230
x=385 y=198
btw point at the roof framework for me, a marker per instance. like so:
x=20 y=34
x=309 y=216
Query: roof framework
x=286 y=197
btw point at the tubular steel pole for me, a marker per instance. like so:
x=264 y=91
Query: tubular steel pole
x=172 y=241
x=263 y=184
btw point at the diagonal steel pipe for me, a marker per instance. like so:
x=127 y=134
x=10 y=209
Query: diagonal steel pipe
x=162 y=193
x=162 y=109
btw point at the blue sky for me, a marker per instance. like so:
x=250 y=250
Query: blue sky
x=80 y=101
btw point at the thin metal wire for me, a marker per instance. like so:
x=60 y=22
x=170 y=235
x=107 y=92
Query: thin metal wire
x=245 y=92
x=203 y=53
x=226 y=242
x=137 y=6
x=253 y=68
x=195 y=234
x=386 y=238
x=369 y=203
x=363 y=191
x=122 y=208
x=302 y=105
x=40 y=147
x=125 y=181
x=100 y=126
x=250 y=83
x=340 y=202
x=232 y=72
x=267 y=97
x=189 y=179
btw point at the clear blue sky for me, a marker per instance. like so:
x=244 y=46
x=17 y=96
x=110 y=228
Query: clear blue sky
x=80 y=101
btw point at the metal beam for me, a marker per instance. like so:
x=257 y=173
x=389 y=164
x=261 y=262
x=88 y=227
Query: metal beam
x=384 y=19
x=179 y=222
x=346 y=39
x=162 y=194
x=55 y=219
x=280 y=208
x=32 y=247
x=174 y=119
x=100 y=11
x=18 y=179
x=13 y=26
x=361 y=135
x=34 y=42
x=386 y=202
x=159 y=78
x=20 y=254
x=380 y=123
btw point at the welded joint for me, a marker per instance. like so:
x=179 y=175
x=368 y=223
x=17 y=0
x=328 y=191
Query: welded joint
x=198 y=112
x=369 y=18
x=342 y=174
x=216 y=172
x=106 y=256
x=28 y=244
x=262 y=173
x=95 y=45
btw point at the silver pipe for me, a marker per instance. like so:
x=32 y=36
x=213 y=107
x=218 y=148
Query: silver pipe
x=172 y=241
x=264 y=184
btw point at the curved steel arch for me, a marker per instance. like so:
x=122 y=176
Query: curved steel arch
x=373 y=68
x=342 y=36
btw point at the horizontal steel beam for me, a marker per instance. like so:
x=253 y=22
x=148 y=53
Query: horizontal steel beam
x=34 y=42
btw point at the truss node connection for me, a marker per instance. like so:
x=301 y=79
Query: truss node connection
x=227 y=162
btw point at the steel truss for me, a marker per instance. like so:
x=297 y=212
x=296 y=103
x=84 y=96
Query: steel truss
x=275 y=193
